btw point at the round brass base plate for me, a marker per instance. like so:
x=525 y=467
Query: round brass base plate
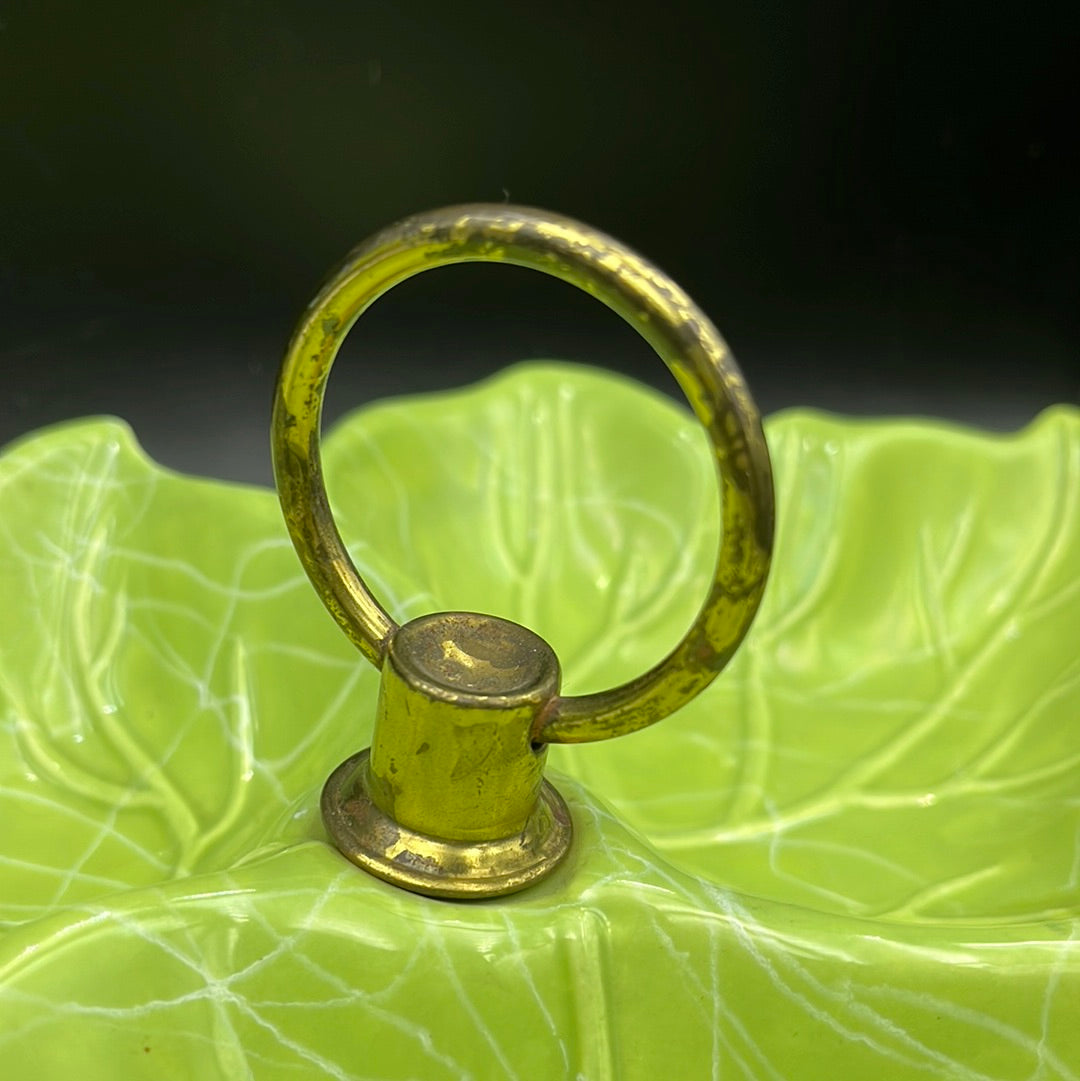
x=432 y=866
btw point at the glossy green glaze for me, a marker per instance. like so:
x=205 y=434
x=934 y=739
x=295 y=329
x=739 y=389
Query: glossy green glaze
x=857 y=855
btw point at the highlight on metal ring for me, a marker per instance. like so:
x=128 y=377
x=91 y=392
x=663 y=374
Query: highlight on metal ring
x=670 y=322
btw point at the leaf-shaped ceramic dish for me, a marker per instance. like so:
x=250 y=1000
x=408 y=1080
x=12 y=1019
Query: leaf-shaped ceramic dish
x=857 y=855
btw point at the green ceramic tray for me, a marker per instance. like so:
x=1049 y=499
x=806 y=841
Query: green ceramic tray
x=856 y=856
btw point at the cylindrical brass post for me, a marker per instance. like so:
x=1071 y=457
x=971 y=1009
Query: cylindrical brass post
x=451 y=799
x=451 y=755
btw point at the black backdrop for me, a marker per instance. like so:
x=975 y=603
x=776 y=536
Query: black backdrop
x=879 y=204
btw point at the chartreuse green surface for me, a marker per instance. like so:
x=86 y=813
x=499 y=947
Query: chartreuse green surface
x=856 y=856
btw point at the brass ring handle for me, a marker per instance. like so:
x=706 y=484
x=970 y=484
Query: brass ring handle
x=668 y=320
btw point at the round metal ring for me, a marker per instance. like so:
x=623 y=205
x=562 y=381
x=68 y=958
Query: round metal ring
x=670 y=322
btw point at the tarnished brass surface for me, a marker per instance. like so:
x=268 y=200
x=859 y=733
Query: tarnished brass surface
x=427 y=794
x=433 y=866
x=662 y=313
x=451 y=798
x=451 y=754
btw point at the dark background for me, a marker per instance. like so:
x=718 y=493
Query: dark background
x=879 y=204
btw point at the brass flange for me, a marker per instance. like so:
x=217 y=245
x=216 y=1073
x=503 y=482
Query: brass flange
x=451 y=799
